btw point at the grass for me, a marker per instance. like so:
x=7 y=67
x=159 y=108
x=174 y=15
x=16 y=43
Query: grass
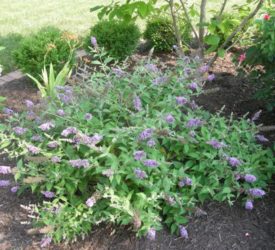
x=19 y=18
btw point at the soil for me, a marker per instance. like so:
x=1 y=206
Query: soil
x=221 y=227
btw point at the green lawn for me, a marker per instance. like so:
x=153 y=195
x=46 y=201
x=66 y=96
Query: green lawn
x=21 y=17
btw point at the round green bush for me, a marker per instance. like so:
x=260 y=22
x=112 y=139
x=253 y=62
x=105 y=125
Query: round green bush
x=48 y=45
x=119 y=38
x=159 y=32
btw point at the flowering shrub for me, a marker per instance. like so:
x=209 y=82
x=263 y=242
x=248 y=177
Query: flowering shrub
x=259 y=58
x=49 y=45
x=119 y=38
x=132 y=149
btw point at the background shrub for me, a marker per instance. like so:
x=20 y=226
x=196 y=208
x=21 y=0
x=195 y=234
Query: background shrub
x=159 y=33
x=119 y=38
x=49 y=45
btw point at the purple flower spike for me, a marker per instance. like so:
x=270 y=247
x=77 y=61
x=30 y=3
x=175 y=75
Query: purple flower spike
x=69 y=131
x=233 y=161
x=79 y=163
x=14 y=189
x=91 y=202
x=60 y=112
x=47 y=126
x=55 y=159
x=93 y=41
x=183 y=232
x=211 y=77
x=181 y=100
x=151 y=234
x=139 y=155
x=37 y=138
x=194 y=123
x=19 y=130
x=151 y=67
x=108 y=172
x=118 y=72
x=256 y=116
x=88 y=116
x=29 y=104
x=169 y=119
x=151 y=163
x=204 y=69
x=5 y=170
x=160 y=80
x=48 y=194
x=151 y=143
x=33 y=150
x=140 y=174
x=188 y=181
x=256 y=192
x=216 y=144
x=250 y=178
x=249 y=205
x=261 y=138
x=45 y=242
x=97 y=138
x=181 y=183
x=53 y=144
x=137 y=103
x=4 y=183
x=8 y=111
x=193 y=86
x=146 y=134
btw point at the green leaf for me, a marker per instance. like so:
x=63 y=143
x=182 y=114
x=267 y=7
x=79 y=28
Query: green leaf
x=213 y=40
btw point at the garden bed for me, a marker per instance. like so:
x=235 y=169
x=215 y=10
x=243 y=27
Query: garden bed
x=220 y=227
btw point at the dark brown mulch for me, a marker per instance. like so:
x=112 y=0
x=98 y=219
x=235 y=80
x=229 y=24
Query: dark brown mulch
x=224 y=227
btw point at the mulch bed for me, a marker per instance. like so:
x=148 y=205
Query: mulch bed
x=222 y=227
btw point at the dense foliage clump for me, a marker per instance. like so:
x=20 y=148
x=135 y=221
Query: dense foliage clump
x=133 y=149
x=119 y=38
x=160 y=34
x=48 y=46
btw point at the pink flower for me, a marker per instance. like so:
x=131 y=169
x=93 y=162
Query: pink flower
x=266 y=17
x=242 y=57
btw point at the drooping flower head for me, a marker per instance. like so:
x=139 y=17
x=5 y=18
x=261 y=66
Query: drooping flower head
x=151 y=163
x=139 y=155
x=140 y=174
x=5 y=170
x=250 y=178
x=183 y=232
x=69 y=131
x=93 y=41
x=194 y=122
x=261 y=138
x=216 y=144
x=249 y=205
x=181 y=100
x=233 y=161
x=146 y=134
x=256 y=192
x=211 y=77
x=169 y=118
x=137 y=103
x=4 y=183
x=91 y=202
x=79 y=163
x=47 y=126
x=48 y=194
x=33 y=150
x=151 y=234
x=19 y=130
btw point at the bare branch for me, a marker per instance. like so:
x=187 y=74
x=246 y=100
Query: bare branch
x=189 y=21
x=237 y=30
x=175 y=26
x=201 y=28
x=222 y=9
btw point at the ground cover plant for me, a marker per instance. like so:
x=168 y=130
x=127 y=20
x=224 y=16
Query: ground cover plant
x=132 y=149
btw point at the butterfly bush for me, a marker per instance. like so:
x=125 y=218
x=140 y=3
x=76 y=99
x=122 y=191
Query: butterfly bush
x=133 y=149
